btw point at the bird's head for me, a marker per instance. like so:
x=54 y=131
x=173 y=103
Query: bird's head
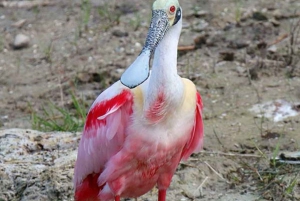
x=165 y=14
x=170 y=9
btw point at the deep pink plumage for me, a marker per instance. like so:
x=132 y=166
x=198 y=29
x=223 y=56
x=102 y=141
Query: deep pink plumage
x=110 y=154
x=102 y=137
x=196 y=140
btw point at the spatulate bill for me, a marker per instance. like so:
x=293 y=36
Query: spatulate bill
x=139 y=70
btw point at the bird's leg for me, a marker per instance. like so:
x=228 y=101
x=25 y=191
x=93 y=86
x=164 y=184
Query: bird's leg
x=117 y=198
x=135 y=199
x=162 y=195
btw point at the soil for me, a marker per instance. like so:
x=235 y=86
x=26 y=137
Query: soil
x=238 y=53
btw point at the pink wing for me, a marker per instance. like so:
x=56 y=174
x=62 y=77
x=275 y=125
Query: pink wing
x=103 y=137
x=196 y=141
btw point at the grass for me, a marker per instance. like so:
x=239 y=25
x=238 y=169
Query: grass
x=238 y=12
x=1 y=43
x=275 y=181
x=108 y=16
x=272 y=180
x=292 y=54
x=85 y=13
x=36 y=11
x=279 y=182
x=275 y=154
x=55 y=118
x=135 y=22
x=48 y=52
x=84 y=18
x=290 y=188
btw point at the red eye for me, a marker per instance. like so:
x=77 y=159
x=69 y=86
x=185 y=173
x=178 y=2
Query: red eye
x=172 y=9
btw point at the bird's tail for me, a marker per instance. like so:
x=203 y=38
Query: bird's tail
x=88 y=190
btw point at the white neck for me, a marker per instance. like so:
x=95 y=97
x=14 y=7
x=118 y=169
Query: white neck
x=164 y=78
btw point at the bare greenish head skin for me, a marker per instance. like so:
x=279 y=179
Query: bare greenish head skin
x=166 y=5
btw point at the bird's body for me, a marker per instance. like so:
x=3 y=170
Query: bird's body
x=135 y=138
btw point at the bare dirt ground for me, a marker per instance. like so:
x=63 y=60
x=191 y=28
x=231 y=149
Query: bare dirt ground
x=238 y=52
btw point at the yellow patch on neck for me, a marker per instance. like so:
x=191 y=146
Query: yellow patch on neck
x=138 y=100
x=189 y=99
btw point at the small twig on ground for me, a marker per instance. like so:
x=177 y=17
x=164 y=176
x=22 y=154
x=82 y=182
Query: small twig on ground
x=186 y=48
x=267 y=63
x=218 y=174
x=252 y=85
x=61 y=92
x=292 y=52
x=262 y=153
x=256 y=171
x=279 y=39
x=200 y=186
x=288 y=16
x=215 y=133
x=188 y=165
x=25 y=4
x=232 y=154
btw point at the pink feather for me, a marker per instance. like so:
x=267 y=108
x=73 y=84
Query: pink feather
x=102 y=138
x=101 y=162
x=196 y=140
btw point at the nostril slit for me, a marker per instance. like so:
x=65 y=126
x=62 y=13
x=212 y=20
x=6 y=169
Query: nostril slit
x=158 y=22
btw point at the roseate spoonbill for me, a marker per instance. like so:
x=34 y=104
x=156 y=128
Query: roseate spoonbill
x=139 y=129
